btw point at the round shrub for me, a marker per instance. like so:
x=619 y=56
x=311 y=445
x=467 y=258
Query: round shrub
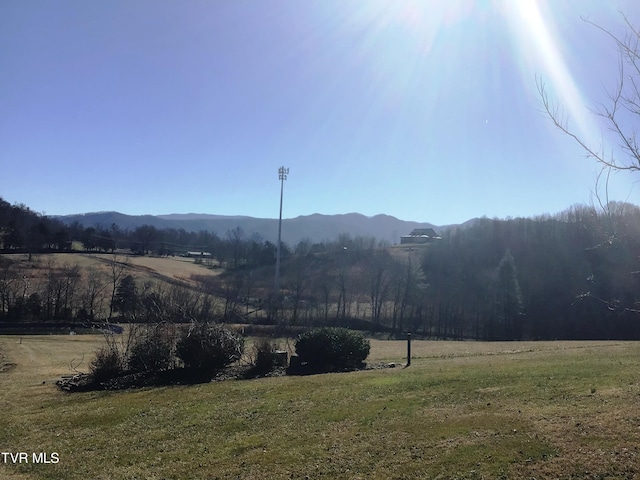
x=209 y=347
x=151 y=353
x=332 y=348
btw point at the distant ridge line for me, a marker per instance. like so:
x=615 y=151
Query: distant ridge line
x=315 y=227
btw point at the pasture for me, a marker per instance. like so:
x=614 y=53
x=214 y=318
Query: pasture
x=178 y=270
x=461 y=410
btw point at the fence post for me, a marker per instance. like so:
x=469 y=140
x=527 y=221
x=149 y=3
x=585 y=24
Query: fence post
x=408 y=348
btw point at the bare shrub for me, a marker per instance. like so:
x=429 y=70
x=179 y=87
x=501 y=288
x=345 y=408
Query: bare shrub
x=264 y=355
x=207 y=347
x=107 y=364
x=150 y=353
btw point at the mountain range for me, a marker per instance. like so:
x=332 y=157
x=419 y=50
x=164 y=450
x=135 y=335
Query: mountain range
x=316 y=227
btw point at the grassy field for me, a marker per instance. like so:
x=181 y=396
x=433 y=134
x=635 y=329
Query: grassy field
x=172 y=269
x=461 y=410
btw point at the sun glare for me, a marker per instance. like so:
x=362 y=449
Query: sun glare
x=397 y=31
x=417 y=65
x=540 y=54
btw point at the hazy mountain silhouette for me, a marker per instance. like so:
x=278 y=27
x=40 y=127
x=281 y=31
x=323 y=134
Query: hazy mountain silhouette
x=316 y=227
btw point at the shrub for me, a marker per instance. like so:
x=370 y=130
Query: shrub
x=150 y=353
x=107 y=364
x=209 y=347
x=332 y=348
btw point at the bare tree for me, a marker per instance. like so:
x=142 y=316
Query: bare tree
x=71 y=276
x=94 y=284
x=325 y=286
x=118 y=266
x=343 y=284
x=9 y=276
x=619 y=112
x=407 y=281
x=231 y=294
x=297 y=283
x=235 y=237
x=379 y=282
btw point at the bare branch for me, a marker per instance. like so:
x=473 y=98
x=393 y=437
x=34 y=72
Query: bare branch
x=555 y=113
x=75 y=363
x=624 y=100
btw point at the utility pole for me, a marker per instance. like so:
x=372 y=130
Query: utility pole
x=282 y=176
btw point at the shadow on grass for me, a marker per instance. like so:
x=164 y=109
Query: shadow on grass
x=318 y=369
x=184 y=376
x=176 y=376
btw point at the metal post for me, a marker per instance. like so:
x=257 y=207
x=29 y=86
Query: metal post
x=282 y=176
x=408 y=348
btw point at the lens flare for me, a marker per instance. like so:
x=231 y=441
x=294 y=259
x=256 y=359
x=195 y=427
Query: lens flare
x=540 y=53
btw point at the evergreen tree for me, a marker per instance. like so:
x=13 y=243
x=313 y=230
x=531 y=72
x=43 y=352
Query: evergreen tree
x=126 y=299
x=509 y=307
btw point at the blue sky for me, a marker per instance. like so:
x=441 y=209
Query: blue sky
x=426 y=110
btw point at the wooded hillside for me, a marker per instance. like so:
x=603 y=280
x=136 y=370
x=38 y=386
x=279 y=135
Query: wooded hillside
x=572 y=276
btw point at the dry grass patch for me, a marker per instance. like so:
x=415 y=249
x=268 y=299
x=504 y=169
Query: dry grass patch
x=171 y=269
x=177 y=268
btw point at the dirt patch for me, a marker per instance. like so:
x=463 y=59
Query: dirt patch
x=5 y=365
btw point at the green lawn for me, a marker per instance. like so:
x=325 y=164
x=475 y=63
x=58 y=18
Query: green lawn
x=461 y=410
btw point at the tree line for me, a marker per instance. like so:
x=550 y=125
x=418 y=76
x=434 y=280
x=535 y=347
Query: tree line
x=571 y=275
x=25 y=231
x=574 y=275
